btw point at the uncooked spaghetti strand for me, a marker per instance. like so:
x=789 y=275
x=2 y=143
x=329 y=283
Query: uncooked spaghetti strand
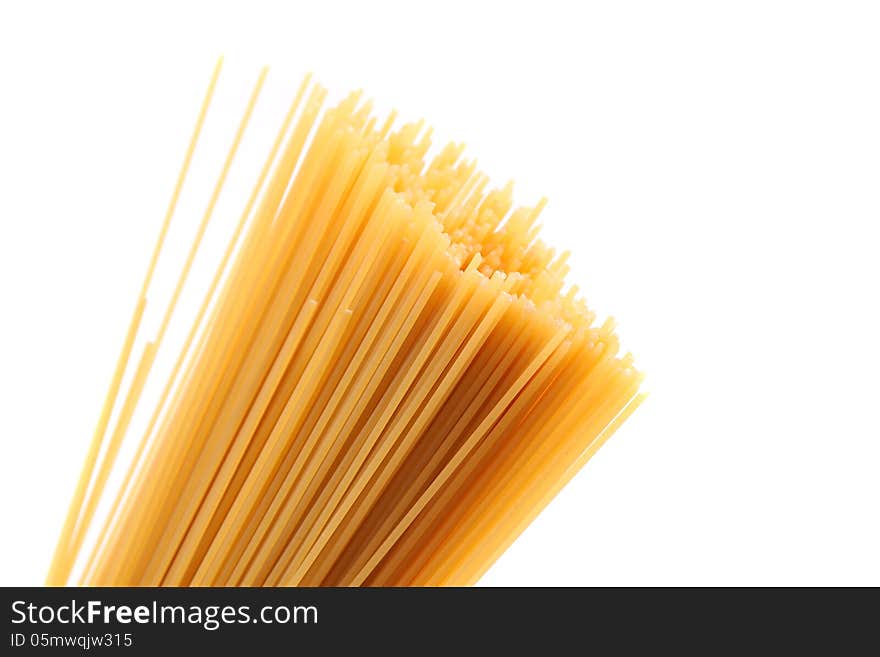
x=481 y=377
x=197 y=323
x=65 y=556
x=589 y=385
x=208 y=213
x=469 y=576
x=347 y=287
x=409 y=352
x=146 y=363
x=301 y=472
x=246 y=433
x=535 y=470
x=62 y=561
x=559 y=397
x=206 y=463
x=226 y=329
x=128 y=407
x=212 y=203
x=513 y=409
x=537 y=363
x=385 y=461
x=386 y=381
x=477 y=318
x=341 y=295
x=430 y=456
x=328 y=442
x=367 y=385
x=236 y=236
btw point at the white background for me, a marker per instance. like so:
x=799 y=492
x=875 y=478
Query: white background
x=715 y=168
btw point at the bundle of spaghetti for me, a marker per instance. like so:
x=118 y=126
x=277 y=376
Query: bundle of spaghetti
x=386 y=382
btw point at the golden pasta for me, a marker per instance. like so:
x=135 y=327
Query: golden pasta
x=386 y=381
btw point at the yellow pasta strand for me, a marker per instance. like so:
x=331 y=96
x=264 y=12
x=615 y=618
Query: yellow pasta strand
x=63 y=559
x=392 y=382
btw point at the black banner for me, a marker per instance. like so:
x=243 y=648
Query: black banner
x=151 y=621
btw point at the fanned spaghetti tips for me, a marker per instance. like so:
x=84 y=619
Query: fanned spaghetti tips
x=386 y=381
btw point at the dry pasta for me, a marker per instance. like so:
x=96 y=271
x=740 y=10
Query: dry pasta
x=386 y=381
